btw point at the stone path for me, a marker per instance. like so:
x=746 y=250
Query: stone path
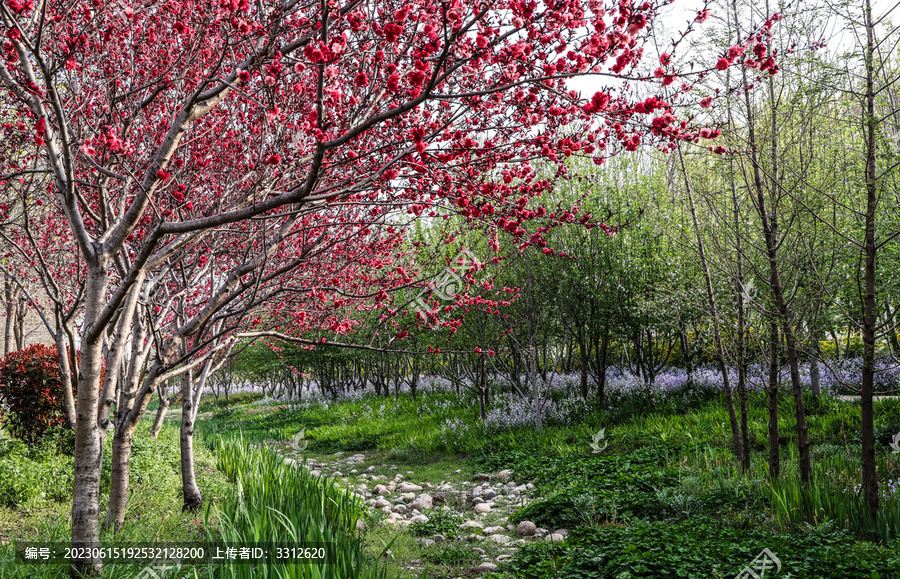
x=484 y=503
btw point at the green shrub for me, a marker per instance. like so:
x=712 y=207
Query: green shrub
x=439 y=523
x=698 y=549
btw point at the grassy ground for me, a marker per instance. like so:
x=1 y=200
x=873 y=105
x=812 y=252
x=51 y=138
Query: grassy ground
x=36 y=498
x=663 y=499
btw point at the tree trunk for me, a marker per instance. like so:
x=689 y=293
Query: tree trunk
x=10 y=300
x=867 y=425
x=89 y=436
x=772 y=391
x=584 y=361
x=815 y=379
x=164 y=403
x=120 y=476
x=193 y=498
x=736 y=438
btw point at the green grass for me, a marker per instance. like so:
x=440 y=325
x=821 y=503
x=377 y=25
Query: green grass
x=660 y=470
x=276 y=502
x=40 y=510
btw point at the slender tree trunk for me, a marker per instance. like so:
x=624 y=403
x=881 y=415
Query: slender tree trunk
x=601 y=365
x=770 y=234
x=19 y=325
x=772 y=391
x=164 y=403
x=867 y=426
x=9 y=309
x=815 y=378
x=89 y=436
x=193 y=498
x=736 y=438
x=584 y=361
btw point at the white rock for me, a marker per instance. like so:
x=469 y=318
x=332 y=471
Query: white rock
x=381 y=490
x=408 y=497
x=470 y=525
x=426 y=542
x=502 y=539
x=504 y=474
x=386 y=510
x=400 y=509
x=493 y=530
x=484 y=568
x=381 y=503
x=337 y=473
x=371 y=468
x=419 y=519
x=478 y=500
x=563 y=532
x=526 y=528
x=482 y=508
x=410 y=488
x=529 y=486
x=357 y=458
x=314 y=473
x=423 y=502
x=360 y=526
x=555 y=537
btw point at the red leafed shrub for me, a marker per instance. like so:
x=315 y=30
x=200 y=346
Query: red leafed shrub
x=31 y=389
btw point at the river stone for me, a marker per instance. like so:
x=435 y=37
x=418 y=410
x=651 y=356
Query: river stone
x=470 y=524
x=358 y=458
x=381 y=490
x=563 y=532
x=381 y=503
x=502 y=539
x=505 y=474
x=482 y=508
x=423 y=502
x=410 y=488
x=484 y=568
x=526 y=528
x=493 y=530
x=419 y=519
x=555 y=538
x=400 y=509
x=439 y=538
x=489 y=494
x=408 y=497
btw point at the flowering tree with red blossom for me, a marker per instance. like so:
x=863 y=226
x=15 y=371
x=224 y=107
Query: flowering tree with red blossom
x=206 y=159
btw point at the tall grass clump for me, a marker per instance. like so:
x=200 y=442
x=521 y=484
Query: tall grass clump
x=279 y=502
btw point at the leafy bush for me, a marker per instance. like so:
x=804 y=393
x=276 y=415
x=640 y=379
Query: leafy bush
x=439 y=523
x=31 y=387
x=698 y=549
